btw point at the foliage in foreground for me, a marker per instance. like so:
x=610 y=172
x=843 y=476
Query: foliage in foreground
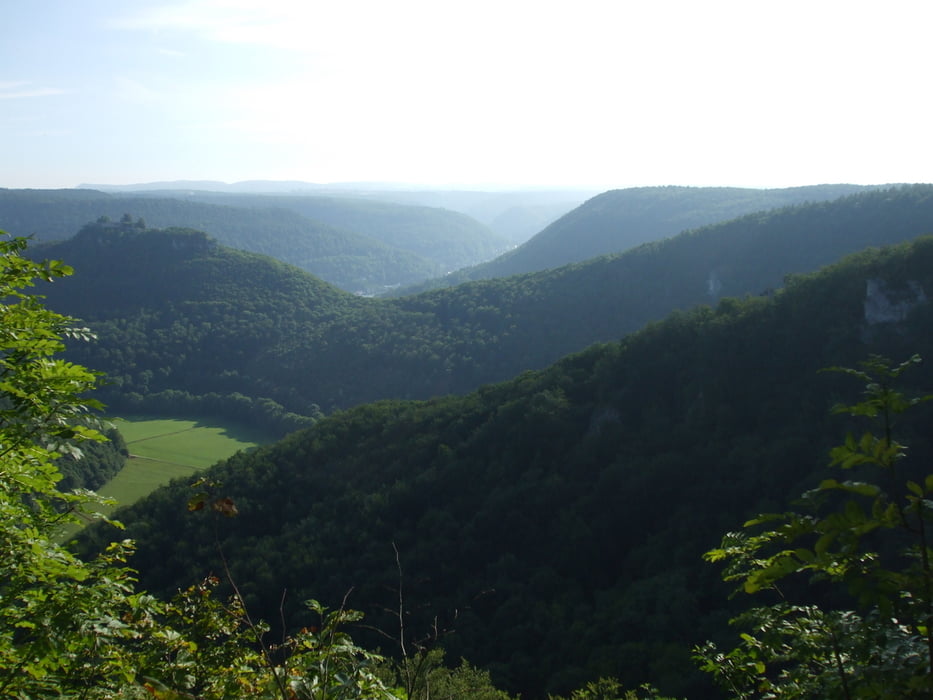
x=70 y=628
x=865 y=547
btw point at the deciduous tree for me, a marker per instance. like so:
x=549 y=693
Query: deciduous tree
x=864 y=546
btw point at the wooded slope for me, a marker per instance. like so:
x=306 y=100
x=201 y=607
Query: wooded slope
x=177 y=312
x=447 y=238
x=618 y=220
x=552 y=525
x=394 y=244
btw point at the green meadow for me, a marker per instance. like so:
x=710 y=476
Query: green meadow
x=164 y=449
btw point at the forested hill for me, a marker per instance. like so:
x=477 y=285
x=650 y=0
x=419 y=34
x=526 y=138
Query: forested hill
x=515 y=215
x=446 y=238
x=552 y=526
x=176 y=311
x=203 y=318
x=396 y=244
x=617 y=220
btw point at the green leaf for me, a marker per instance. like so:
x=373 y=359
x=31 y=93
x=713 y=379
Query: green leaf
x=857 y=487
x=805 y=555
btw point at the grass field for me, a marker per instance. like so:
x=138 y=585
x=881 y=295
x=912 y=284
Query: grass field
x=163 y=449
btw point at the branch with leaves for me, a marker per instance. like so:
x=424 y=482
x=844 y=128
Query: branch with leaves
x=862 y=539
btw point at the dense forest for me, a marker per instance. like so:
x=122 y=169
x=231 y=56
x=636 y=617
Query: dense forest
x=550 y=528
x=514 y=214
x=449 y=239
x=380 y=242
x=364 y=250
x=179 y=316
x=618 y=220
x=96 y=463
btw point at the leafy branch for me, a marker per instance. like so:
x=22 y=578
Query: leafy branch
x=867 y=539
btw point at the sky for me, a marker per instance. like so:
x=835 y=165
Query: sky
x=457 y=93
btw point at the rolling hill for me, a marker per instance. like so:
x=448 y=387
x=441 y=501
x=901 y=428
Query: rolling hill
x=444 y=237
x=349 y=258
x=175 y=311
x=618 y=220
x=550 y=528
x=515 y=215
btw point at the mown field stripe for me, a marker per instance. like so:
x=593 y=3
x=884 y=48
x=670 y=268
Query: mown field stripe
x=173 y=448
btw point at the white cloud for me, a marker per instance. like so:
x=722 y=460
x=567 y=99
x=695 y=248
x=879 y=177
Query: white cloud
x=134 y=91
x=633 y=91
x=13 y=90
x=218 y=20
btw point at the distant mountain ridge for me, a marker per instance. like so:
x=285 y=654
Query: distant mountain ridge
x=444 y=237
x=409 y=244
x=514 y=213
x=238 y=322
x=617 y=220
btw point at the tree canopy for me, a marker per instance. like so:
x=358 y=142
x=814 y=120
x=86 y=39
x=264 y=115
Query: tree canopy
x=73 y=628
x=181 y=317
x=618 y=220
x=354 y=244
x=552 y=527
x=80 y=628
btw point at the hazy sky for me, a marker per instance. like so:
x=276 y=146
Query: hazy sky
x=464 y=92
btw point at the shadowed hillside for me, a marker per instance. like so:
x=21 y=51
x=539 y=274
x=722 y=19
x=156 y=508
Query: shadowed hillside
x=447 y=238
x=407 y=245
x=190 y=315
x=515 y=215
x=551 y=527
x=618 y=220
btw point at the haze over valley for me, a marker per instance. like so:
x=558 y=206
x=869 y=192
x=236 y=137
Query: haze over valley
x=456 y=350
x=487 y=373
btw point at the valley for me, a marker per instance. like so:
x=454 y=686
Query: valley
x=466 y=351
x=547 y=455
x=163 y=449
